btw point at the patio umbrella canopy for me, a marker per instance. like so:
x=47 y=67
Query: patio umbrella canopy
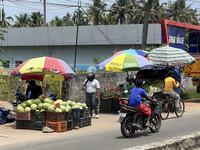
x=125 y=62
x=169 y=56
x=132 y=51
x=47 y=68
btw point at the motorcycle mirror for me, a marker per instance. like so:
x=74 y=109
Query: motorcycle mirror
x=126 y=91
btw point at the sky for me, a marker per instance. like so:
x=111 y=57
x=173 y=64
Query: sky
x=58 y=7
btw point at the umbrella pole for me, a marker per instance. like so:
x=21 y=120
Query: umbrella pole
x=44 y=83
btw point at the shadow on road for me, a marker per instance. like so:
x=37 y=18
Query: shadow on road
x=137 y=135
x=192 y=101
x=12 y=125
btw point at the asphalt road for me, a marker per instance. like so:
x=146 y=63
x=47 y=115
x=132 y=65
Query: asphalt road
x=111 y=138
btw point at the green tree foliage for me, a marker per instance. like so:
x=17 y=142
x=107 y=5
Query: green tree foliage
x=67 y=20
x=56 y=22
x=96 y=12
x=37 y=19
x=80 y=18
x=5 y=23
x=120 y=10
x=178 y=11
x=23 y=20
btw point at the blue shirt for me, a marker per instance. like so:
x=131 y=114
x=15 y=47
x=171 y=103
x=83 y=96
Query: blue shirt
x=136 y=95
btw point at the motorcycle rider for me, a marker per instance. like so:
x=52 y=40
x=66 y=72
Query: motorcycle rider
x=128 y=86
x=135 y=100
x=35 y=89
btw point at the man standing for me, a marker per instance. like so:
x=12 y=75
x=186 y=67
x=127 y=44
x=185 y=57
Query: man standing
x=35 y=90
x=91 y=86
x=168 y=87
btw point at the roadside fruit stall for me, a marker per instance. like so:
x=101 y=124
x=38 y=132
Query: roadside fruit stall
x=109 y=100
x=59 y=115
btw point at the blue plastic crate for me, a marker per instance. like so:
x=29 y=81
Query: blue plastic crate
x=75 y=113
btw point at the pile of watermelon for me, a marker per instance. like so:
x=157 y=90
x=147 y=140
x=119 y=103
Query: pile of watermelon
x=43 y=103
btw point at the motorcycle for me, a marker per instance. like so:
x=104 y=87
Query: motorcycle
x=132 y=119
x=19 y=96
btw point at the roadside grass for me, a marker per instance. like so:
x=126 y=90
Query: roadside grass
x=190 y=95
x=9 y=85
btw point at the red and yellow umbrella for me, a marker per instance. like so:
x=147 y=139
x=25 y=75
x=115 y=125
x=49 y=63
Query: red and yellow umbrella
x=47 y=68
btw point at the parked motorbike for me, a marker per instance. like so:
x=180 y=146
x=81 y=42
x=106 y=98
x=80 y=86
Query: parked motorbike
x=19 y=96
x=132 y=119
x=51 y=94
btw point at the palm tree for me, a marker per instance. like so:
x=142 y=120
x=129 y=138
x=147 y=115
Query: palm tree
x=56 y=22
x=178 y=11
x=4 y=23
x=80 y=18
x=96 y=10
x=121 y=9
x=67 y=20
x=23 y=20
x=37 y=19
x=145 y=22
x=108 y=20
x=157 y=12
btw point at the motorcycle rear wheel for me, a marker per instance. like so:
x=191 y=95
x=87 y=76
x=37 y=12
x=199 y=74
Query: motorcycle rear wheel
x=155 y=123
x=126 y=127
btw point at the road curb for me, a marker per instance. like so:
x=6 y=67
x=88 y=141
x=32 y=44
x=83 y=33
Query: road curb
x=185 y=142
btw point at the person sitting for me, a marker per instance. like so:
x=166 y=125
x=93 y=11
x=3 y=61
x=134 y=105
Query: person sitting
x=168 y=87
x=35 y=90
x=135 y=100
x=128 y=86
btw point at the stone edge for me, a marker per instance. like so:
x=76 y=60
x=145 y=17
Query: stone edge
x=185 y=142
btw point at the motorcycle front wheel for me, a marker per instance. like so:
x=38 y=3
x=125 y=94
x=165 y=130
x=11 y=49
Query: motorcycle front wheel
x=155 y=123
x=126 y=127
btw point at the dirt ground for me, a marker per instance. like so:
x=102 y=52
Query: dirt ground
x=7 y=105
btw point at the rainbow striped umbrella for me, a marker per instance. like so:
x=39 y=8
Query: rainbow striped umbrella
x=47 y=68
x=132 y=51
x=125 y=62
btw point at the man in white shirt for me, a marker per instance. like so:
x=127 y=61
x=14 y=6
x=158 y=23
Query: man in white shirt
x=91 y=86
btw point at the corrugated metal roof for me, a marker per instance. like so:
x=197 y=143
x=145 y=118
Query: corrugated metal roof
x=195 y=55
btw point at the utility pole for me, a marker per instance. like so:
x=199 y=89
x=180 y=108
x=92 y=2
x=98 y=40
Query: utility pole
x=44 y=1
x=1 y=3
x=76 y=36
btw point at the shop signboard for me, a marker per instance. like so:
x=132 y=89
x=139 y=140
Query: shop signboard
x=176 y=36
x=194 y=43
